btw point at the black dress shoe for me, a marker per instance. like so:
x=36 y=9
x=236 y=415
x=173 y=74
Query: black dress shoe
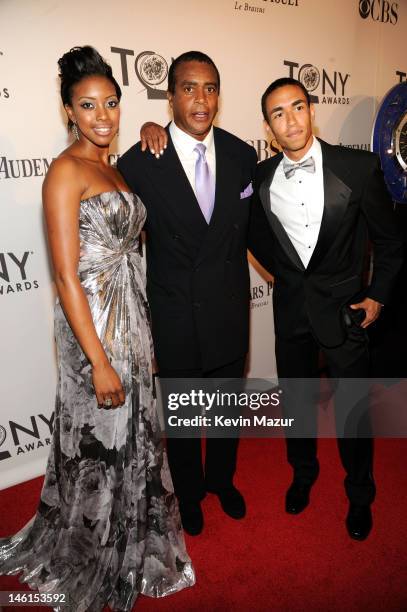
x=191 y=517
x=359 y=522
x=297 y=497
x=232 y=502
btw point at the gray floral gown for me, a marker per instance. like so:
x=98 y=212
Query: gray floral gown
x=107 y=526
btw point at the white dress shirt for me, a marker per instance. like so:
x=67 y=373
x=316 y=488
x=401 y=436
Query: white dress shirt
x=298 y=202
x=184 y=145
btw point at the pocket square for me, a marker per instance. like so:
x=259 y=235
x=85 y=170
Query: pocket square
x=247 y=192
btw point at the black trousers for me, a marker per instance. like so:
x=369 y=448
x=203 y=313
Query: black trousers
x=191 y=478
x=299 y=358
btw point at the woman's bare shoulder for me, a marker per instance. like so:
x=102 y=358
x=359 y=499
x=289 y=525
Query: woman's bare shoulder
x=66 y=172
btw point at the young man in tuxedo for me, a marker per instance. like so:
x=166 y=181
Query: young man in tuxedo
x=314 y=208
x=197 y=197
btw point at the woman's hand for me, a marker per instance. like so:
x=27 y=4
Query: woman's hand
x=154 y=137
x=107 y=386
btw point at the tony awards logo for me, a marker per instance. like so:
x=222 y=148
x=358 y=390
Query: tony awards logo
x=330 y=86
x=14 y=277
x=3 y=435
x=150 y=68
x=309 y=76
x=22 y=435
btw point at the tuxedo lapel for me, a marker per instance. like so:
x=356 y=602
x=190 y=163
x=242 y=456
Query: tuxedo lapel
x=227 y=194
x=276 y=225
x=336 y=198
x=169 y=178
x=225 y=179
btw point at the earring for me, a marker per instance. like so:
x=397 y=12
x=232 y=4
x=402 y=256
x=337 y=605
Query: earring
x=75 y=131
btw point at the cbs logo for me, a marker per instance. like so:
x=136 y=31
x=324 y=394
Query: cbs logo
x=379 y=10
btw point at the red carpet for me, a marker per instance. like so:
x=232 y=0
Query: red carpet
x=274 y=561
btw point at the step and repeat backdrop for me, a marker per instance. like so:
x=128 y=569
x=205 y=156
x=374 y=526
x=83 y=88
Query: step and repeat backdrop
x=348 y=54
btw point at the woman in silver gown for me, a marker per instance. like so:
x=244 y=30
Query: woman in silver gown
x=107 y=525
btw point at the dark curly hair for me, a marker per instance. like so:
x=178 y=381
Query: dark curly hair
x=79 y=63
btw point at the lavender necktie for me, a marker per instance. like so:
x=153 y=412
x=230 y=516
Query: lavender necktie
x=204 y=183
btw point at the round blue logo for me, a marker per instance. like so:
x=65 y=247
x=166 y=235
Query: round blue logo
x=389 y=140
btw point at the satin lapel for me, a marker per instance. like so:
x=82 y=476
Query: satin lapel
x=227 y=194
x=276 y=225
x=336 y=198
x=169 y=178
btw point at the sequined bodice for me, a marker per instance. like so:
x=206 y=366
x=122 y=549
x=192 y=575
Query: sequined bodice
x=110 y=267
x=109 y=227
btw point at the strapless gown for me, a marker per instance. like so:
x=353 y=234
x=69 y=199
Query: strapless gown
x=107 y=525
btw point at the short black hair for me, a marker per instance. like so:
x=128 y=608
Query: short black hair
x=79 y=63
x=189 y=56
x=282 y=83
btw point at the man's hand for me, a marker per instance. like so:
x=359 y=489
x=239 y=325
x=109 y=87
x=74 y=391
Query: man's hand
x=372 y=310
x=153 y=137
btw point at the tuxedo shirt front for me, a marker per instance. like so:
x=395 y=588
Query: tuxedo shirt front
x=298 y=202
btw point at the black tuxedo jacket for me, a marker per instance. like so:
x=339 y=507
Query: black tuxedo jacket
x=197 y=275
x=357 y=207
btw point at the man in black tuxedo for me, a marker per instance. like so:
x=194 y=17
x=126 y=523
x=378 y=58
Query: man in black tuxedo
x=314 y=208
x=197 y=199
